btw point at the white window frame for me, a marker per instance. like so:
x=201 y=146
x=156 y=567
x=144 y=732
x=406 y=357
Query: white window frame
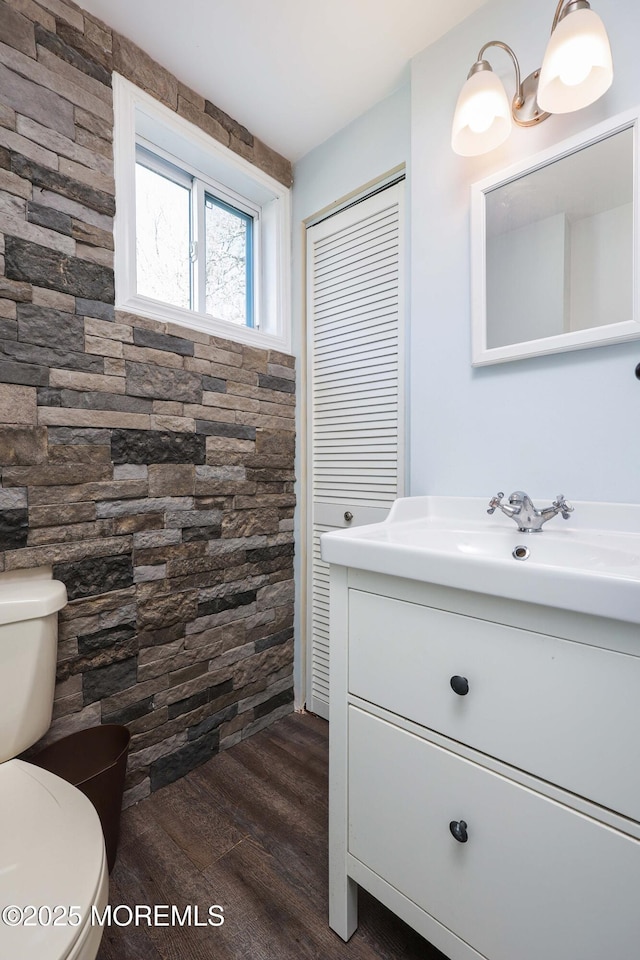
x=227 y=176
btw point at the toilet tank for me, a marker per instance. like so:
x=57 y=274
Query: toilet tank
x=28 y=648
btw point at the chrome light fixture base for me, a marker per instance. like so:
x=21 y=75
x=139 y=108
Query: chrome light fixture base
x=525 y=110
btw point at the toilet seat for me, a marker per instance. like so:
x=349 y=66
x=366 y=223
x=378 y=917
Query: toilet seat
x=51 y=854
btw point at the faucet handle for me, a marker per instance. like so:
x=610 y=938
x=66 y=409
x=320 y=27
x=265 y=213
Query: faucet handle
x=563 y=506
x=495 y=502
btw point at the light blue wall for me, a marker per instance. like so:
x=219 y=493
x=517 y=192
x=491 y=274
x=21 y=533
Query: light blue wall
x=373 y=144
x=567 y=423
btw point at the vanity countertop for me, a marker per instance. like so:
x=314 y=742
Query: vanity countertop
x=589 y=563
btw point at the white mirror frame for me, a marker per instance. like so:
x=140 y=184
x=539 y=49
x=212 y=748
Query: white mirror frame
x=578 y=339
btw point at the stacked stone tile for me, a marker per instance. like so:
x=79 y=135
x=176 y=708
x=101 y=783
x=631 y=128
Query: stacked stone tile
x=150 y=466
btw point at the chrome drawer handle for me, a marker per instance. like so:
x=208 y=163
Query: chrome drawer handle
x=348 y=516
x=459 y=830
x=460 y=685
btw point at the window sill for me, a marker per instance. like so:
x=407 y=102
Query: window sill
x=203 y=323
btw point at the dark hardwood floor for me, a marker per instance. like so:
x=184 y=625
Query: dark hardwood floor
x=248 y=831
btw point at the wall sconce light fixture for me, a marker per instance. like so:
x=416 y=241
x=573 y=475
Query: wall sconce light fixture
x=577 y=69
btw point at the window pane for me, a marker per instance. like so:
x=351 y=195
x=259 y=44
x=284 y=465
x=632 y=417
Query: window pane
x=163 y=215
x=229 y=239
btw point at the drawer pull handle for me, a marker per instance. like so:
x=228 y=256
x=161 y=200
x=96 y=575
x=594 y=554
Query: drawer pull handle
x=348 y=516
x=459 y=830
x=460 y=685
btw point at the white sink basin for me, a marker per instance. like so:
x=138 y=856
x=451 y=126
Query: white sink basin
x=589 y=563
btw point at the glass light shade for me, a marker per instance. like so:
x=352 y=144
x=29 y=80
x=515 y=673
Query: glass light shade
x=482 y=120
x=577 y=67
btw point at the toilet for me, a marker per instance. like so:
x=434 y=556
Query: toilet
x=52 y=851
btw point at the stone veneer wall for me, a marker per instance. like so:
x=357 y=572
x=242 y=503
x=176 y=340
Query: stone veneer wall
x=150 y=466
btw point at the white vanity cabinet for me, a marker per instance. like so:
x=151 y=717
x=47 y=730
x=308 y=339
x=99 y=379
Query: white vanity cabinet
x=484 y=770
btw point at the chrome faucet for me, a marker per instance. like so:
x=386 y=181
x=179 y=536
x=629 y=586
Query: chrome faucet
x=523 y=512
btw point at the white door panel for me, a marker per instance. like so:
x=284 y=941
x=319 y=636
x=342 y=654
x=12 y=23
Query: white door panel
x=356 y=450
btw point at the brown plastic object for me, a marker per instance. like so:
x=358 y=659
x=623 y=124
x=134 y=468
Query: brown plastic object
x=95 y=761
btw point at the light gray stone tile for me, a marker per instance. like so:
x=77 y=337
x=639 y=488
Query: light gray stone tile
x=13 y=498
x=145 y=574
x=130 y=471
x=92 y=178
x=63 y=146
x=65 y=205
x=121 y=508
x=33 y=97
x=13 y=140
x=34 y=234
x=68 y=92
x=71 y=73
x=70 y=14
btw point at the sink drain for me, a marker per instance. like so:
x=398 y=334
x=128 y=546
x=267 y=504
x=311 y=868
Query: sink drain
x=520 y=553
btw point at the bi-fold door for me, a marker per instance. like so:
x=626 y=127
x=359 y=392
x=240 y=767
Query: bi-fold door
x=356 y=451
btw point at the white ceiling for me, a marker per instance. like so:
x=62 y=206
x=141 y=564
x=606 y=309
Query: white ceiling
x=292 y=71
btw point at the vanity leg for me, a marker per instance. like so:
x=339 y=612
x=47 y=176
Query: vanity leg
x=343 y=907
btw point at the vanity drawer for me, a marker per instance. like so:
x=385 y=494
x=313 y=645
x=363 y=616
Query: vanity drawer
x=533 y=880
x=564 y=711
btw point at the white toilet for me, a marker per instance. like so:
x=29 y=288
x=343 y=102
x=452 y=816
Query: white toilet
x=51 y=845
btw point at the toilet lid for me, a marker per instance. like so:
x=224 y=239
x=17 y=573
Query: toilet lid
x=51 y=854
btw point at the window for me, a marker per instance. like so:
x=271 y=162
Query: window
x=229 y=262
x=202 y=236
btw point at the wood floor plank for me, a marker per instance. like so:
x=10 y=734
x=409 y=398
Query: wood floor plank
x=187 y=812
x=247 y=830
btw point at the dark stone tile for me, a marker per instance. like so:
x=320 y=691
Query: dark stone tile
x=47 y=327
x=214 y=385
x=24 y=373
x=188 y=704
x=48 y=179
x=276 y=383
x=73 y=56
x=95 y=308
x=275 y=640
x=229 y=602
x=269 y=553
x=93 y=436
x=49 y=218
x=14 y=529
x=212 y=723
x=104 y=681
x=176 y=765
x=109 y=637
x=57 y=271
x=163 y=383
x=151 y=446
x=130 y=713
x=91 y=51
x=210 y=428
x=200 y=699
x=156 y=636
x=95 y=575
x=5 y=159
x=77 y=400
x=189 y=534
x=228 y=123
x=162 y=341
x=8 y=329
x=30 y=353
x=263 y=709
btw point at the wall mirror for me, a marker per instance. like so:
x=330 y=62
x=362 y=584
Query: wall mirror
x=555 y=248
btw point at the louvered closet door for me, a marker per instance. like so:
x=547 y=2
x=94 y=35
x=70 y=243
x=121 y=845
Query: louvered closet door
x=354 y=310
